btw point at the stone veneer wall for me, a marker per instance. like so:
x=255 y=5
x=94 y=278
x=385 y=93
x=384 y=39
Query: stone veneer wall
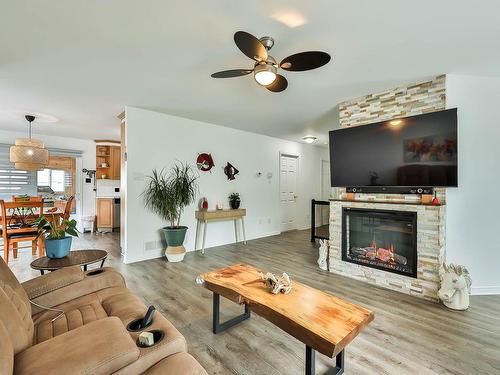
x=430 y=249
x=410 y=100
x=403 y=101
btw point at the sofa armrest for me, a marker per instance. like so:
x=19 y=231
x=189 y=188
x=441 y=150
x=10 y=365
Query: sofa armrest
x=62 y=290
x=51 y=281
x=101 y=347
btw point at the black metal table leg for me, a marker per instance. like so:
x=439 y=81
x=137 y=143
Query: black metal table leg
x=311 y=363
x=85 y=268
x=220 y=327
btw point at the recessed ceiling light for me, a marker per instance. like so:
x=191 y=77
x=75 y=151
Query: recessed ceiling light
x=309 y=139
x=289 y=17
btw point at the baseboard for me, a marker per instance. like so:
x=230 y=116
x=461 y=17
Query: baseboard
x=269 y=234
x=485 y=290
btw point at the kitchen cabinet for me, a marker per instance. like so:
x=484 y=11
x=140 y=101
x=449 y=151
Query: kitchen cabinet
x=108 y=162
x=104 y=211
x=115 y=163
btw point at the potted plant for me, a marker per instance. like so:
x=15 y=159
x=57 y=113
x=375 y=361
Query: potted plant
x=234 y=200
x=57 y=243
x=167 y=195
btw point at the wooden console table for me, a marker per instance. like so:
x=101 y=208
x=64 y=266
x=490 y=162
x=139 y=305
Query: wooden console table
x=204 y=216
x=323 y=322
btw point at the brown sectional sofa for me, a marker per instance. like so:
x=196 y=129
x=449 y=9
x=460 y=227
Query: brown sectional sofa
x=84 y=331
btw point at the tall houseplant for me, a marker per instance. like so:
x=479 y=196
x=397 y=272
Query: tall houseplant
x=57 y=243
x=167 y=195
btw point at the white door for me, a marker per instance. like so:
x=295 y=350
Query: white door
x=288 y=191
x=326 y=190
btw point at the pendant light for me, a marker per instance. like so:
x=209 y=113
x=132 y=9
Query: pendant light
x=29 y=154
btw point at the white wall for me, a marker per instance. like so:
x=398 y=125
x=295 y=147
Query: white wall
x=473 y=221
x=88 y=159
x=156 y=140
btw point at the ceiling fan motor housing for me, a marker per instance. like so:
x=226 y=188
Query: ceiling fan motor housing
x=267 y=41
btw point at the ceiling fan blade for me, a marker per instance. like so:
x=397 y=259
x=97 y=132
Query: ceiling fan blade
x=279 y=84
x=305 y=61
x=232 y=73
x=250 y=46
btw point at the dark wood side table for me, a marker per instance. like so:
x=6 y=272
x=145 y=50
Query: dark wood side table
x=75 y=258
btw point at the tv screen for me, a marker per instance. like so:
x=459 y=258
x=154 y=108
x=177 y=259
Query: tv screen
x=412 y=151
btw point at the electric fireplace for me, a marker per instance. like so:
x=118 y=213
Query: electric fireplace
x=381 y=239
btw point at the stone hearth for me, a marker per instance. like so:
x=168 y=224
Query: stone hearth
x=430 y=249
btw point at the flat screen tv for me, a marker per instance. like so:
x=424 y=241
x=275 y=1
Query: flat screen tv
x=416 y=151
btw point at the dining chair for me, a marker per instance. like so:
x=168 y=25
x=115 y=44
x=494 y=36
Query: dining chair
x=17 y=222
x=24 y=198
x=67 y=208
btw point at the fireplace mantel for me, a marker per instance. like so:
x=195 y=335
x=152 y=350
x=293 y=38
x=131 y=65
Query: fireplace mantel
x=413 y=203
x=430 y=248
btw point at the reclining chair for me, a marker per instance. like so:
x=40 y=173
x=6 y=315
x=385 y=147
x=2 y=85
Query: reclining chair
x=75 y=322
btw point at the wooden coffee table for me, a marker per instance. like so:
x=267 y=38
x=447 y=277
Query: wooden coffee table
x=74 y=258
x=323 y=322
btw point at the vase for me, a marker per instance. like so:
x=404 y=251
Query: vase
x=174 y=236
x=57 y=248
x=235 y=203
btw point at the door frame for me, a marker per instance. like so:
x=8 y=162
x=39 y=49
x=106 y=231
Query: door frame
x=297 y=175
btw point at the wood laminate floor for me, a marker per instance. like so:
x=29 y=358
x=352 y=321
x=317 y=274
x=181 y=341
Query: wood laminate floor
x=408 y=335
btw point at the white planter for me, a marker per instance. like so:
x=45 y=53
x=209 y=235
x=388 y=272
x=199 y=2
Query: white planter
x=175 y=253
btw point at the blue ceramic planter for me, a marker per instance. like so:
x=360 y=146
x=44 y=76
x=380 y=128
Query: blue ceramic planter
x=57 y=248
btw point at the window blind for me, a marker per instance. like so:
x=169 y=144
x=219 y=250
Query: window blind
x=14 y=181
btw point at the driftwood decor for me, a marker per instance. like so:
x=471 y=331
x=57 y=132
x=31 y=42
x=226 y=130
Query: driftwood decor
x=277 y=284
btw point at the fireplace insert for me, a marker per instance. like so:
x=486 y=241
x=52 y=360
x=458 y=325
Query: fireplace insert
x=380 y=239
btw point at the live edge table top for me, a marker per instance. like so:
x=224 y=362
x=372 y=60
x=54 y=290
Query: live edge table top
x=320 y=320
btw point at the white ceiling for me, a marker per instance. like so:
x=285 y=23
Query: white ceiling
x=82 y=61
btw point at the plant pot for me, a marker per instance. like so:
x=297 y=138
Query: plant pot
x=56 y=249
x=175 y=238
x=235 y=203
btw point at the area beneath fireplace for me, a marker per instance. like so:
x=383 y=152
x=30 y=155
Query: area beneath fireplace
x=395 y=245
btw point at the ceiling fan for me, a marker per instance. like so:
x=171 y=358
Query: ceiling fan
x=265 y=67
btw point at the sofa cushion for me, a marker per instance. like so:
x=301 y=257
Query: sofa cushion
x=71 y=319
x=16 y=318
x=100 y=347
x=6 y=352
x=180 y=363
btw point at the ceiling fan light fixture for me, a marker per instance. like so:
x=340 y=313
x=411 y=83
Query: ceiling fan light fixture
x=264 y=74
x=309 y=139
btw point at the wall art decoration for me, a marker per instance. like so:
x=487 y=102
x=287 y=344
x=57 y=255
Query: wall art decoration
x=204 y=162
x=230 y=171
x=439 y=147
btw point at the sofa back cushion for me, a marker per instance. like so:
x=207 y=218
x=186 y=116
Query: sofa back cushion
x=6 y=352
x=15 y=310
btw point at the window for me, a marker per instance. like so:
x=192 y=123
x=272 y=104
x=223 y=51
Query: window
x=57 y=179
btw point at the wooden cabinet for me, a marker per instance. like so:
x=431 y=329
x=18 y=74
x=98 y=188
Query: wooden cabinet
x=108 y=162
x=115 y=163
x=104 y=211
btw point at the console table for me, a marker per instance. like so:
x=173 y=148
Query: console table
x=204 y=216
